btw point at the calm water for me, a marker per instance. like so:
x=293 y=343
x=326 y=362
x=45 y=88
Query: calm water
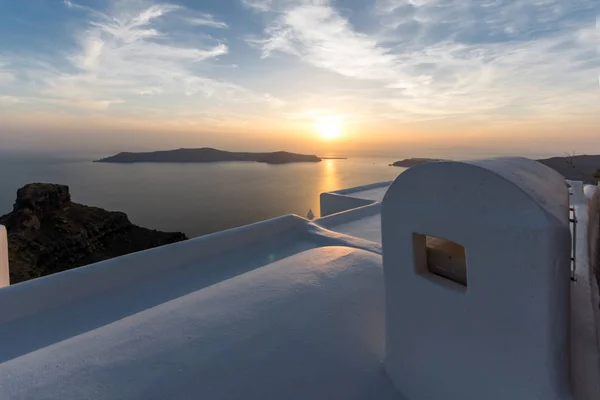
x=195 y=198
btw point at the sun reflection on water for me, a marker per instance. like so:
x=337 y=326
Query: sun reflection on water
x=329 y=181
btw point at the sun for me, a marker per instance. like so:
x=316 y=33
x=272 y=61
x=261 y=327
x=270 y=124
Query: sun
x=329 y=129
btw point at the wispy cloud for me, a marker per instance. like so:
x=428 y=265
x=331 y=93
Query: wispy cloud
x=426 y=62
x=206 y=20
x=150 y=91
x=9 y=100
x=260 y=5
x=119 y=55
x=320 y=36
x=134 y=51
x=447 y=57
x=6 y=76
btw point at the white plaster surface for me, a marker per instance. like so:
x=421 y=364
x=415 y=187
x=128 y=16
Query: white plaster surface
x=355 y=191
x=347 y=199
x=291 y=309
x=71 y=286
x=368 y=228
x=363 y=222
x=576 y=190
x=589 y=191
x=371 y=194
x=585 y=338
x=333 y=203
x=4 y=272
x=504 y=336
x=306 y=327
x=76 y=301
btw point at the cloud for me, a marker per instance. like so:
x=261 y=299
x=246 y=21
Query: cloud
x=206 y=20
x=10 y=100
x=118 y=56
x=406 y=60
x=259 y=5
x=82 y=102
x=6 y=74
x=150 y=91
x=436 y=58
x=273 y=101
x=135 y=53
x=320 y=36
x=484 y=21
x=6 y=77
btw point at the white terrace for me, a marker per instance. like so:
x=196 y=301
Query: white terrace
x=454 y=282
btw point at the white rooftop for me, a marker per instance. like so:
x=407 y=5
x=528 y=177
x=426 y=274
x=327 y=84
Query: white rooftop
x=286 y=308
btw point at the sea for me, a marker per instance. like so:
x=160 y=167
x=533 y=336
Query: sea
x=194 y=198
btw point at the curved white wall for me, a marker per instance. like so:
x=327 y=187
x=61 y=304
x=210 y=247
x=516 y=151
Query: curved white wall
x=504 y=335
x=78 y=283
x=306 y=327
x=332 y=203
x=593 y=232
x=576 y=191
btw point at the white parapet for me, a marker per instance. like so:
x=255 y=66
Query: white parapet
x=576 y=190
x=347 y=199
x=4 y=274
x=589 y=191
x=476 y=260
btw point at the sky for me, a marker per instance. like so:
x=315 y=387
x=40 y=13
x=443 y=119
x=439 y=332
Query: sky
x=416 y=77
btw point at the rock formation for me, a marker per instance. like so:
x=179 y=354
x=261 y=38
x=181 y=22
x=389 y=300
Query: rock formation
x=584 y=168
x=576 y=168
x=48 y=233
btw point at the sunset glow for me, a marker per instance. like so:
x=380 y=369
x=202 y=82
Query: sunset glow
x=265 y=75
x=329 y=130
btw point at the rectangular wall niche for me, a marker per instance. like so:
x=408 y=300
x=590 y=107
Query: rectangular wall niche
x=440 y=257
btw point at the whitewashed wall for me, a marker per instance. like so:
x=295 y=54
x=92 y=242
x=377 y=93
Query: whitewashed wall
x=333 y=203
x=72 y=285
x=342 y=200
x=505 y=334
x=576 y=191
x=593 y=231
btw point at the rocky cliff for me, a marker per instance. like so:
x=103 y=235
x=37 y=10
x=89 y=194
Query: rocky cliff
x=48 y=233
x=576 y=168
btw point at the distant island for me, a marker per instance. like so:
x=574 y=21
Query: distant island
x=333 y=158
x=206 y=155
x=411 y=162
x=48 y=233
